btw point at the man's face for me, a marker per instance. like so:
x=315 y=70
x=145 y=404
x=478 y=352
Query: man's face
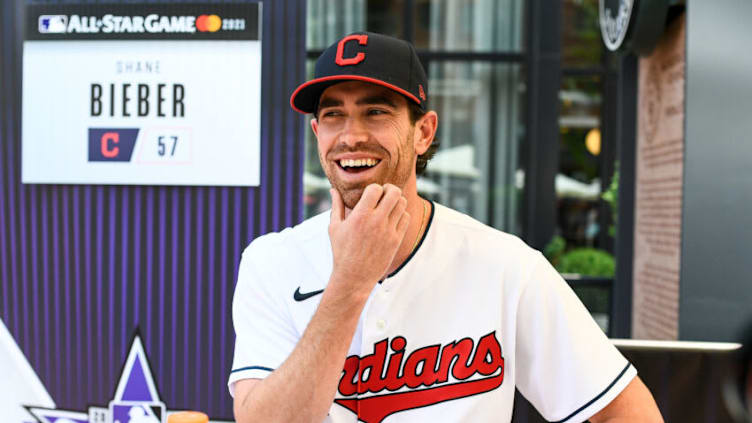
x=364 y=136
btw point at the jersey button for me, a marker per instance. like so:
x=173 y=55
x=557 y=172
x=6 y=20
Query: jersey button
x=381 y=324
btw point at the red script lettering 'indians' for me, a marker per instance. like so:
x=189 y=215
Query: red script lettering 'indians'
x=428 y=366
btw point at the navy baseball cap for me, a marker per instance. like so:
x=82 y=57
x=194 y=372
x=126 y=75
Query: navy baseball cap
x=367 y=57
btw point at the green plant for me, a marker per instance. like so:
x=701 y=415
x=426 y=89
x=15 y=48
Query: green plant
x=554 y=249
x=587 y=261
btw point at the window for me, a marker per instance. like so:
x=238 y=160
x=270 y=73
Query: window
x=584 y=241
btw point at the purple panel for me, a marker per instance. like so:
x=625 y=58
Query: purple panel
x=112 y=283
x=292 y=126
x=67 y=288
x=85 y=266
x=44 y=328
x=47 y=289
x=91 y=392
x=211 y=287
x=98 y=288
x=24 y=281
x=267 y=137
x=277 y=116
x=35 y=335
x=238 y=247
x=124 y=261
x=223 y=282
x=136 y=276
x=56 y=372
x=173 y=381
x=147 y=275
x=78 y=288
x=198 y=312
x=161 y=279
x=9 y=137
x=187 y=259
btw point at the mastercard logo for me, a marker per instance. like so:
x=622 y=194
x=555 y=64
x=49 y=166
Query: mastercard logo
x=208 y=23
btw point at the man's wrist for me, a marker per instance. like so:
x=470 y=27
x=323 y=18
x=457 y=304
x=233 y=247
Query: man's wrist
x=351 y=288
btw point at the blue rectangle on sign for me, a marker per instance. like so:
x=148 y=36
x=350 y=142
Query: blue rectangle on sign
x=112 y=144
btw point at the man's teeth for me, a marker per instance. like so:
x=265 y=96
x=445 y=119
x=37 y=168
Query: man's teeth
x=358 y=162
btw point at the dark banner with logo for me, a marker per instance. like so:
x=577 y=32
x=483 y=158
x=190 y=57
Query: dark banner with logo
x=144 y=22
x=115 y=297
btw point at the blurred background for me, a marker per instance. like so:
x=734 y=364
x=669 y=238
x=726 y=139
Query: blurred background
x=550 y=185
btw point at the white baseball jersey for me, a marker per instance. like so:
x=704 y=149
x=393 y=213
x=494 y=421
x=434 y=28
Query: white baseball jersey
x=470 y=315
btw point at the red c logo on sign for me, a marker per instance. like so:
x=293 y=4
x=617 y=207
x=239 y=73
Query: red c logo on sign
x=362 y=40
x=106 y=150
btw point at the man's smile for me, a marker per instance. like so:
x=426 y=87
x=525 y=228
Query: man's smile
x=345 y=163
x=357 y=165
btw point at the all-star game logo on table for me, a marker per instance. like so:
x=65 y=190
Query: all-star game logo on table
x=136 y=398
x=142 y=94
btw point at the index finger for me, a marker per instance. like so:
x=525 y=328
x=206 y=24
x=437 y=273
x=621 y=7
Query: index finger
x=370 y=198
x=389 y=200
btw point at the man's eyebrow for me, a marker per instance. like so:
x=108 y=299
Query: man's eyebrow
x=329 y=102
x=377 y=99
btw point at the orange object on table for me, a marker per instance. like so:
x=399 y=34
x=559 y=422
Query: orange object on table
x=188 y=417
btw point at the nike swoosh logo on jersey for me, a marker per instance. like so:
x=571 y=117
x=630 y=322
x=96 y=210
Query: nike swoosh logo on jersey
x=298 y=296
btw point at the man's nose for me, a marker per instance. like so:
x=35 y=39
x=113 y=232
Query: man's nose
x=353 y=132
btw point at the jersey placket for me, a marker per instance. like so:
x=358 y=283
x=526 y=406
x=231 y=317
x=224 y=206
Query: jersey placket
x=375 y=327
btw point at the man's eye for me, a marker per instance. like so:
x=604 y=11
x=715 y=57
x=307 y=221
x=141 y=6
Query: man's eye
x=331 y=113
x=376 y=112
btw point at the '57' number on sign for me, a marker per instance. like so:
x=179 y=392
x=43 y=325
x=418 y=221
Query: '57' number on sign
x=166 y=144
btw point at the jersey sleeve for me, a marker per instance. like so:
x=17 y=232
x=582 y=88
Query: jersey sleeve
x=264 y=333
x=566 y=366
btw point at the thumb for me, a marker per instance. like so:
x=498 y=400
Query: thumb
x=338 y=206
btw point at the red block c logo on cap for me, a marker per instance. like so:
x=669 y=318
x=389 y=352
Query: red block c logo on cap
x=361 y=39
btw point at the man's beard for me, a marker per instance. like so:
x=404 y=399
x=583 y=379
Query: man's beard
x=393 y=170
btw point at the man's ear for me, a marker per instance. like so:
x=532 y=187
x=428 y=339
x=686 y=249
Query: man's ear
x=425 y=131
x=315 y=126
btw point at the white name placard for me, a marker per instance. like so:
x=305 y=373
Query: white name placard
x=179 y=106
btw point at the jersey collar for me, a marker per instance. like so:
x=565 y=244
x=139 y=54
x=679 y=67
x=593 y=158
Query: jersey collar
x=420 y=243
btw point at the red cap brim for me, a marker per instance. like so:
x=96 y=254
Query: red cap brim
x=306 y=96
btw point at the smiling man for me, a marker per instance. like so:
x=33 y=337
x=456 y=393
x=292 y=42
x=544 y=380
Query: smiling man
x=396 y=309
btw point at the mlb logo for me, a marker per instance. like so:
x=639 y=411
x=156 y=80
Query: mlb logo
x=53 y=24
x=137 y=412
